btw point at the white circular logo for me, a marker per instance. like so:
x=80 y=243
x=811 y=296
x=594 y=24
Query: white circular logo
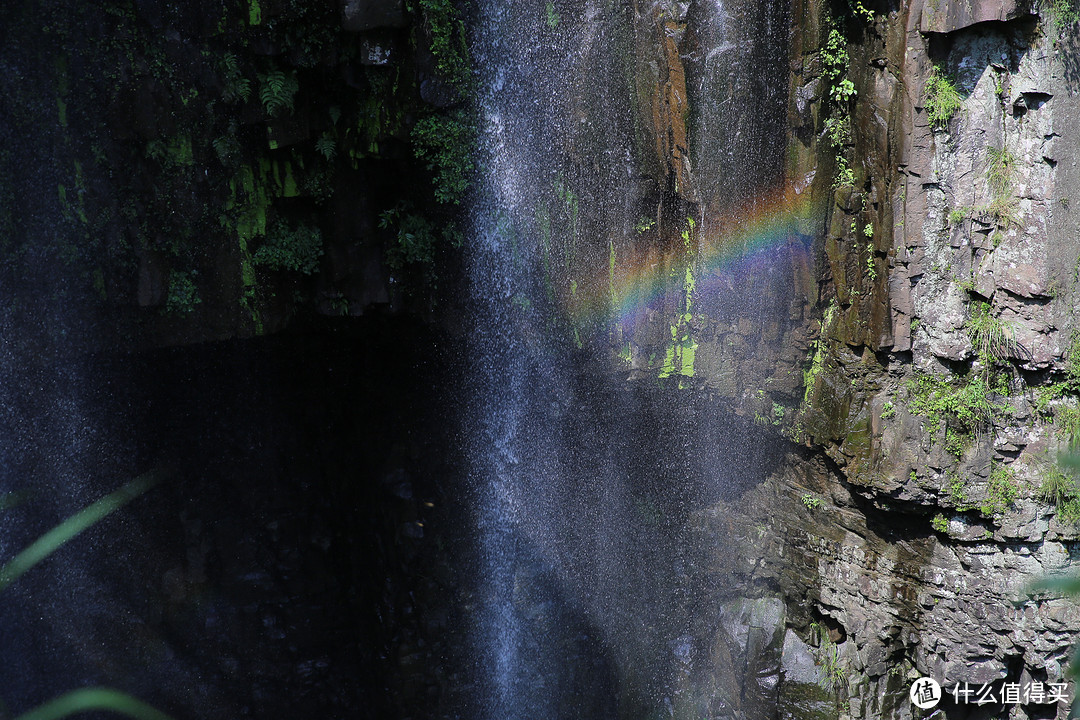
x=925 y=693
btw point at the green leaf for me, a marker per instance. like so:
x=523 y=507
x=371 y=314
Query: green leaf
x=51 y=541
x=86 y=699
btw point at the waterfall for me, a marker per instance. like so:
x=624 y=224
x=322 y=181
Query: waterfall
x=589 y=594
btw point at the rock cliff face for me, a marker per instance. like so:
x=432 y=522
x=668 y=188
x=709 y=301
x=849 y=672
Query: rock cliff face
x=919 y=503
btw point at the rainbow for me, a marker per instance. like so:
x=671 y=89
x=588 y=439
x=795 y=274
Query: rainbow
x=711 y=251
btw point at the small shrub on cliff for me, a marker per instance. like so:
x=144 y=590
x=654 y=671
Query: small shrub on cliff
x=1064 y=12
x=833 y=675
x=838 y=131
x=183 y=293
x=940 y=524
x=1058 y=487
x=286 y=248
x=941 y=99
x=1070 y=512
x=861 y=11
x=416 y=237
x=834 y=57
x=991 y=337
x=842 y=91
x=956 y=442
x=965 y=405
x=845 y=176
x=999 y=170
x=326 y=146
x=552 y=16
x=446 y=143
x=1002 y=490
x=445 y=30
x=957 y=490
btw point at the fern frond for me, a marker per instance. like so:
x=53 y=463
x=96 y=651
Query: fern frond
x=277 y=92
x=326 y=146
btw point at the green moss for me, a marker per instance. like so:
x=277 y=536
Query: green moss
x=283 y=179
x=98 y=279
x=254 y=13
x=681 y=354
x=173 y=153
x=611 y=273
x=817 y=360
x=543 y=224
x=689 y=349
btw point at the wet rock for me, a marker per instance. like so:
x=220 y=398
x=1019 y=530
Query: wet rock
x=360 y=15
x=944 y=16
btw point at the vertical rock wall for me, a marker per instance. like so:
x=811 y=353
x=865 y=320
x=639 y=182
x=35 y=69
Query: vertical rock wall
x=940 y=382
x=927 y=373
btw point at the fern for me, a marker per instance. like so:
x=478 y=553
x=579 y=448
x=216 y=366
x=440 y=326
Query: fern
x=277 y=92
x=227 y=147
x=326 y=146
x=237 y=87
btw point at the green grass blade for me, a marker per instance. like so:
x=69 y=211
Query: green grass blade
x=55 y=538
x=86 y=699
